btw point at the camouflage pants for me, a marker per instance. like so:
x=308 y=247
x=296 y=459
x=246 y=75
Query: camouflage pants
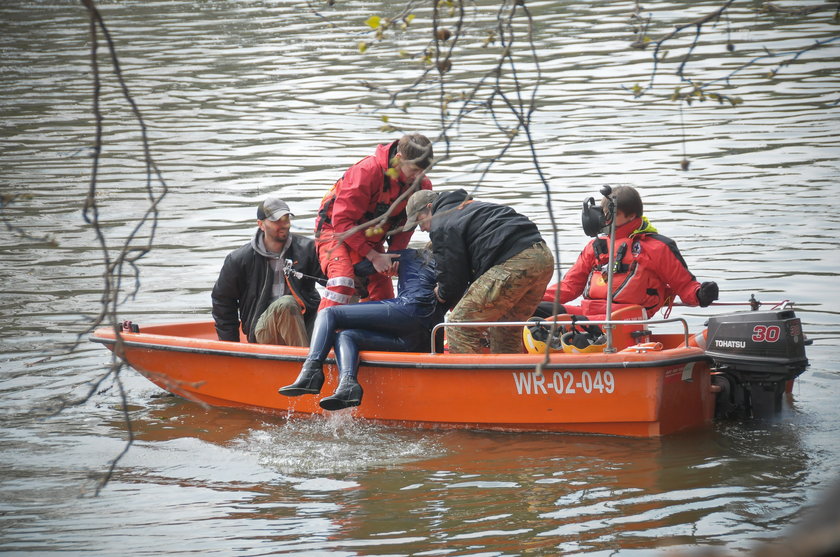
x=509 y=291
x=282 y=323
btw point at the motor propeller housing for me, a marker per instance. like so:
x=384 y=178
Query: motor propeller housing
x=755 y=355
x=758 y=345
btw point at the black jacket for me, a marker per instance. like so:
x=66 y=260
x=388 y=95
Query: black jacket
x=467 y=240
x=243 y=289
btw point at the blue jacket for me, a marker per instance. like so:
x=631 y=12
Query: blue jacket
x=416 y=288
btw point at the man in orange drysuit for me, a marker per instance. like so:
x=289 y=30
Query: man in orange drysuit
x=649 y=269
x=365 y=192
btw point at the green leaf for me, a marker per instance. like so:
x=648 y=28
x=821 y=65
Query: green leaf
x=676 y=95
x=363 y=46
x=373 y=21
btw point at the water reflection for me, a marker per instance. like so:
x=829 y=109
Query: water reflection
x=343 y=483
x=168 y=417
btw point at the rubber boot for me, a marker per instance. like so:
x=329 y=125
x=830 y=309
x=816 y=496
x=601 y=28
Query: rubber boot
x=347 y=394
x=308 y=382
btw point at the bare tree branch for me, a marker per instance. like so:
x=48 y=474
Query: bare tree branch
x=128 y=254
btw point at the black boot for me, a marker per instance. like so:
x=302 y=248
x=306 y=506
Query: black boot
x=347 y=394
x=309 y=381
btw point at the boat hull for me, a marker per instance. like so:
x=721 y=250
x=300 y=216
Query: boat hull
x=631 y=393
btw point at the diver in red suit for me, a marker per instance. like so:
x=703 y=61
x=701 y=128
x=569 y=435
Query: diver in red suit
x=648 y=269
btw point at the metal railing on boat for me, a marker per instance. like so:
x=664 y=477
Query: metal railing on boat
x=554 y=324
x=754 y=304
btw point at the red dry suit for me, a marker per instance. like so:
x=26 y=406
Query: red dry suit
x=363 y=193
x=649 y=270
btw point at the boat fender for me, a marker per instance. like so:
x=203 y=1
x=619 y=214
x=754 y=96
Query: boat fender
x=644 y=347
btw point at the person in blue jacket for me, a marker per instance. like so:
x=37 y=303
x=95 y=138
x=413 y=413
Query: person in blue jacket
x=401 y=324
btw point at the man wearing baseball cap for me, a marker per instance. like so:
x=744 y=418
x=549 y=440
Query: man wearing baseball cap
x=266 y=288
x=492 y=265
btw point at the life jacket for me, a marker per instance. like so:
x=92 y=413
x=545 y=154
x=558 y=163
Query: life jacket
x=378 y=206
x=632 y=283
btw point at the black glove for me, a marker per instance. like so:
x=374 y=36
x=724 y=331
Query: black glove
x=707 y=293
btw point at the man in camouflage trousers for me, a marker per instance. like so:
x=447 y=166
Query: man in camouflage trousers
x=492 y=265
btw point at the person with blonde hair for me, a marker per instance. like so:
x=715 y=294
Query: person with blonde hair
x=401 y=324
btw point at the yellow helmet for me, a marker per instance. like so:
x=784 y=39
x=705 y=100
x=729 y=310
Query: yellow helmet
x=576 y=342
x=535 y=337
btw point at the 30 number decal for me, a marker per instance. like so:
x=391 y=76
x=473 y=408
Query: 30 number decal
x=763 y=333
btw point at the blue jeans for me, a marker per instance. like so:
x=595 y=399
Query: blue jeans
x=367 y=326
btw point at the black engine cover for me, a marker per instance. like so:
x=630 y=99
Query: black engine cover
x=758 y=346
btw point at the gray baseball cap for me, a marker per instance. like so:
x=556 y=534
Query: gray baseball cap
x=418 y=201
x=273 y=208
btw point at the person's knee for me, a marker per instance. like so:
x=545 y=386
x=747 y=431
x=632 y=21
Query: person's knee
x=286 y=303
x=281 y=307
x=355 y=336
x=544 y=309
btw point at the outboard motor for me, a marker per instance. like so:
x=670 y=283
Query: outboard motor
x=755 y=354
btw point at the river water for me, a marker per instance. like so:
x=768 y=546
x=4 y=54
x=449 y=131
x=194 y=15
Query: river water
x=242 y=98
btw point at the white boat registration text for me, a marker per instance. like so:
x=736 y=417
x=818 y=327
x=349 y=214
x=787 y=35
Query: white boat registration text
x=564 y=382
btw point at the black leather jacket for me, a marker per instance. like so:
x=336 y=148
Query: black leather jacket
x=468 y=239
x=243 y=289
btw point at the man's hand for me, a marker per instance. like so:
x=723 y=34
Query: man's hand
x=383 y=262
x=707 y=293
x=437 y=295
